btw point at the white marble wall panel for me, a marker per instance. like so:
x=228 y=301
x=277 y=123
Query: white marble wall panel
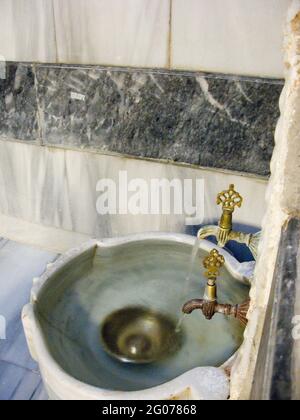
x=232 y=36
x=56 y=187
x=229 y=36
x=27 y=30
x=113 y=32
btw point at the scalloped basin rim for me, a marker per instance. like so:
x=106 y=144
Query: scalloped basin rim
x=199 y=383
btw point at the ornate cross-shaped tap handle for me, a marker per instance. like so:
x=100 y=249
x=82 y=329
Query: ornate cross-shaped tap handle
x=213 y=262
x=229 y=199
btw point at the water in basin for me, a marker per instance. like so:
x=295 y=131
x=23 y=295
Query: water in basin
x=149 y=274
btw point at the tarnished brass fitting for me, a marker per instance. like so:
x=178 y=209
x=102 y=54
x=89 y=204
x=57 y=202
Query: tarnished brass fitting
x=230 y=199
x=209 y=309
x=209 y=305
x=213 y=262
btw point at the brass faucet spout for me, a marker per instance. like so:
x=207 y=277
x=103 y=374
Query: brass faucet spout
x=206 y=231
x=209 y=305
x=192 y=305
x=226 y=220
x=209 y=309
x=230 y=199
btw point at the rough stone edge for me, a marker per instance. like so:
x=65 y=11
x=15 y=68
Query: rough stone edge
x=283 y=184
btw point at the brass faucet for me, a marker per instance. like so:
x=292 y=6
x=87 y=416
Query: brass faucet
x=209 y=304
x=230 y=199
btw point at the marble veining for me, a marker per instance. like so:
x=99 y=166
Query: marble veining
x=18 y=103
x=113 y=32
x=193 y=118
x=27 y=31
x=230 y=36
x=57 y=187
x=209 y=120
x=285 y=368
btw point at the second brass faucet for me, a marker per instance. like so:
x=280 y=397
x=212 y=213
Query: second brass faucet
x=230 y=199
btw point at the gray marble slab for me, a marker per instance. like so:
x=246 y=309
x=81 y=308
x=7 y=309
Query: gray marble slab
x=19 y=376
x=18 y=103
x=278 y=368
x=202 y=119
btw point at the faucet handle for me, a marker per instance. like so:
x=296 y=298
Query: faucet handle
x=213 y=262
x=230 y=199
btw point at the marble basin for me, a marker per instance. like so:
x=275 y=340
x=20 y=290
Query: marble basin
x=70 y=301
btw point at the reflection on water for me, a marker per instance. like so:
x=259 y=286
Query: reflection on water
x=150 y=274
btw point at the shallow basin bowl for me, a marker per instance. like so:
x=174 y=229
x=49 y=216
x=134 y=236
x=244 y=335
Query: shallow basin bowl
x=83 y=293
x=139 y=335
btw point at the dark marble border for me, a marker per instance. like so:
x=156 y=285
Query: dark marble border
x=287 y=275
x=183 y=73
x=275 y=370
x=208 y=120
